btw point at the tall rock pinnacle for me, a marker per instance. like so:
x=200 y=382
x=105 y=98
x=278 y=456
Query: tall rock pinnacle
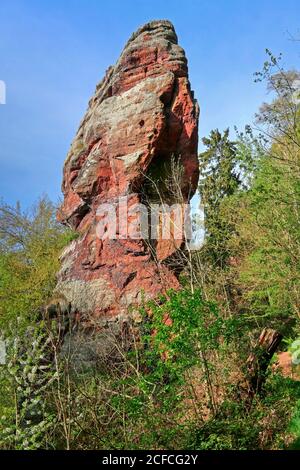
x=141 y=116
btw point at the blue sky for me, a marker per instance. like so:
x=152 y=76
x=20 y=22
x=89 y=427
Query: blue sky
x=52 y=54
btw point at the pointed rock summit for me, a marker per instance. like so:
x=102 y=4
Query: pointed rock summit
x=142 y=116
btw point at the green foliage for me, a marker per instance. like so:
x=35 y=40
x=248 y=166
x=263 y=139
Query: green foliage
x=294 y=428
x=30 y=245
x=269 y=241
x=186 y=326
x=220 y=177
x=181 y=333
x=140 y=398
x=260 y=427
x=257 y=218
x=266 y=220
x=257 y=222
x=178 y=381
x=24 y=379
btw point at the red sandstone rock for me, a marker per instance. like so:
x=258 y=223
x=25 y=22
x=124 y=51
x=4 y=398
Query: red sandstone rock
x=285 y=364
x=143 y=113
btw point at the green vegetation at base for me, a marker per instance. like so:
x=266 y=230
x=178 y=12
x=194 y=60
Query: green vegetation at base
x=177 y=381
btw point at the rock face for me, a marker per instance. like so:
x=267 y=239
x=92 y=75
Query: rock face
x=141 y=116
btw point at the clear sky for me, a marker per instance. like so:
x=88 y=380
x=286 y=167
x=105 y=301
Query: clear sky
x=53 y=52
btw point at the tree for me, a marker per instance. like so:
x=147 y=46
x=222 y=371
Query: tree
x=266 y=216
x=220 y=177
x=30 y=245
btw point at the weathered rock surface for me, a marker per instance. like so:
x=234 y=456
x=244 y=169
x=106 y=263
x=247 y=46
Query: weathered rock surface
x=143 y=113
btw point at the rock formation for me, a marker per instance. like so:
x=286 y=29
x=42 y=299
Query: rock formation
x=141 y=116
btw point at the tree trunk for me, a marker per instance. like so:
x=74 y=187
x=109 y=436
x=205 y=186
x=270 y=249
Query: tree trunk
x=258 y=361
